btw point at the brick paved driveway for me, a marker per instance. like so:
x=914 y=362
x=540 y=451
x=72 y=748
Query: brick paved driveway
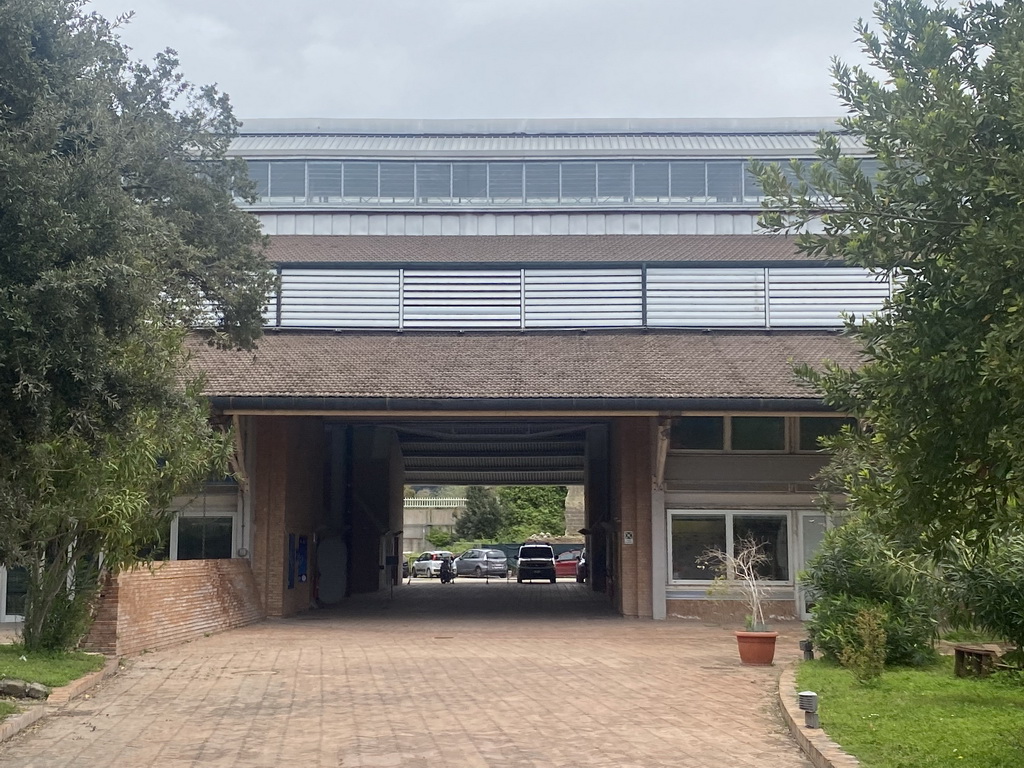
x=463 y=675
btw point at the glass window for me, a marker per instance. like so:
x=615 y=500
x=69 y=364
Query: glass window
x=360 y=182
x=813 y=428
x=691 y=536
x=752 y=190
x=17 y=589
x=495 y=555
x=651 y=182
x=698 y=433
x=469 y=182
x=434 y=182
x=542 y=183
x=579 y=182
x=506 y=183
x=688 y=181
x=615 y=182
x=773 y=532
x=324 y=181
x=725 y=181
x=288 y=180
x=204 y=538
x=758 y=433
x=259 y=172
x=396 y=182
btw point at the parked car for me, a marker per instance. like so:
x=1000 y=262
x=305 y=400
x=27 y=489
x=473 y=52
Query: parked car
x=482 y=562
x=582 y=568
x=405 y=568
x=565 y=563
x=536 y=561
x=429 y=563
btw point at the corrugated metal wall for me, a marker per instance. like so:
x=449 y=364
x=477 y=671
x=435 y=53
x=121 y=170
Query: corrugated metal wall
x=658 y=297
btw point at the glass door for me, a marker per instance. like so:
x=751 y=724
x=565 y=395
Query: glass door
x=812 y=532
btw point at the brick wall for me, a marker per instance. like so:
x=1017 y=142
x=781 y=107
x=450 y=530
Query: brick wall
x=730 y=612
x=632 y=445
x=174 y=602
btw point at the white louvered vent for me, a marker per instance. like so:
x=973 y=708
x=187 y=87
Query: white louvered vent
x=816 y=297
x=592 y=298
x=339 y=298
x=705 y=298
x=487 y=298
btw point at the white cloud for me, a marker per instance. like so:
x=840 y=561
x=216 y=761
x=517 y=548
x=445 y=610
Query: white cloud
x=505 y=58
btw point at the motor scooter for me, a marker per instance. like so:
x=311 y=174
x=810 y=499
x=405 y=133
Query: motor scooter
x=447 y=577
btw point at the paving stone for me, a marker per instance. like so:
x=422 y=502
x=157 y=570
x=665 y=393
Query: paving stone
x=496 y=675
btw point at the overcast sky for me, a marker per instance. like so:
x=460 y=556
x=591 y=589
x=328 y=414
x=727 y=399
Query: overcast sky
x=505 y=58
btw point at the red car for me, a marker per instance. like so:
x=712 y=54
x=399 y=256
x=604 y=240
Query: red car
x=565 y=564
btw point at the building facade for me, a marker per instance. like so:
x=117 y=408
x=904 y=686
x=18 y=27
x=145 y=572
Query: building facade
x=510 y=302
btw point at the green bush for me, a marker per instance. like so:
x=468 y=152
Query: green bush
x=864 y=652
x=985 y=589
x=859 y=568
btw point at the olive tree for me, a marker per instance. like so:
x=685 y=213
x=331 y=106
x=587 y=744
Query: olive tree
x=941 y=389
x=118 y=231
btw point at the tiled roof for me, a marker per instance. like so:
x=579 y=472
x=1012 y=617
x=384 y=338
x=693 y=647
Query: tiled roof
x=512 y=249
x=500 y=366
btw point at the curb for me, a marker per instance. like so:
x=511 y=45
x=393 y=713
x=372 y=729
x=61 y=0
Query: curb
x=815 y=743
x=58 y=698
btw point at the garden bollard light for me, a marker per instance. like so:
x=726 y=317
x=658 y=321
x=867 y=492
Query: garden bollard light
x=808 y=702
x=808 y=648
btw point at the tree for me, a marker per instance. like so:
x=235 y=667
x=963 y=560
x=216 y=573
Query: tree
x=482 y=517
x=942 y=386
x=118 y=231
x=532 y=509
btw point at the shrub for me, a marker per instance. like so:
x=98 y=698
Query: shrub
x=865 y=648
x=859 y=568
x=984 y=589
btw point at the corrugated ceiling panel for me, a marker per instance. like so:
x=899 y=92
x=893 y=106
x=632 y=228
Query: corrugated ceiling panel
x=339 y=298
x=583 y=298
x=731 y=144
x=462 y=299
x=705 y=298
x=818 y=297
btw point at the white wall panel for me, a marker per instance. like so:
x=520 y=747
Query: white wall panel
x=486 y=298
x=339 y=298
x=816 y=297
x=560 y=298
x=705 y=298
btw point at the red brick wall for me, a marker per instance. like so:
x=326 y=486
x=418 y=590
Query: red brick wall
x=731 y=612
x=632 y=446
x=174 y=602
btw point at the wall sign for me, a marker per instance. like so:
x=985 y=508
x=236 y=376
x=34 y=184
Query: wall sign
x=627 y=537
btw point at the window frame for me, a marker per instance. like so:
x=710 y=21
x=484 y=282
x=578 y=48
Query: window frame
x=236 y=528
x=729 y=514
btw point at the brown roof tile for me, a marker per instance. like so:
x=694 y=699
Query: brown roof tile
x=512 y=249
x=450 y=366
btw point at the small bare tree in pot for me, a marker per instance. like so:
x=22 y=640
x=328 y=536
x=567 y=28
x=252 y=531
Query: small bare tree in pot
x=743 y=567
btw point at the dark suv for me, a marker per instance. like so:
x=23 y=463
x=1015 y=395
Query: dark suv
x=536 y=561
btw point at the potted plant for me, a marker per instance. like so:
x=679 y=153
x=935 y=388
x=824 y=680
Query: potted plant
x=743 y=567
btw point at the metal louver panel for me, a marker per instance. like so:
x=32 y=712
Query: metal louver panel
x=560 y=298
x=339 y=298
x=705 y=298
x=816 y=297
x=488 y=298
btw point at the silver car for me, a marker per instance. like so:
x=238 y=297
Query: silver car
x=482 y=562
x=429 y=563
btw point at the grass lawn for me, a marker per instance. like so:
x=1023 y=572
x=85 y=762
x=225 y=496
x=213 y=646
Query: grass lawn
x=49 y=669
x=921 y=718
x=6 y=708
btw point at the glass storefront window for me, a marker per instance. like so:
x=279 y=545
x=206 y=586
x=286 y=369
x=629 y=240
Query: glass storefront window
x=813 y=428
x=204 y=538
x=698 y=433
x=773 y=532
x=691 y=536
x=758 y=433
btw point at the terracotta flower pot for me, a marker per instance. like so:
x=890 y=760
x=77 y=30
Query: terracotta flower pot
x=756 y=648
